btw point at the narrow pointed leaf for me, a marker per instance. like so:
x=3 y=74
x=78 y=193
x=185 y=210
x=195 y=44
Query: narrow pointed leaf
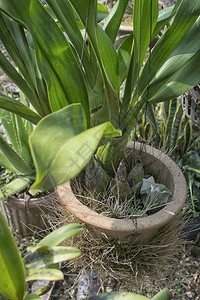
x=12 y=283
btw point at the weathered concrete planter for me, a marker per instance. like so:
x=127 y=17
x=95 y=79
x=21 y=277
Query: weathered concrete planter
x=28 y=217
x=143 y=229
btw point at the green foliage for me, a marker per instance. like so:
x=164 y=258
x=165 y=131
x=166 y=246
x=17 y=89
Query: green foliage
x=56 y=70
x=162 y=295
x=167 y=128
x=190 y=163
x=39 y=264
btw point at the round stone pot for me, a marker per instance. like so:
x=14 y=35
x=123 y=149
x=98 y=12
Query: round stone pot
x=28 y=216
x=143 y=229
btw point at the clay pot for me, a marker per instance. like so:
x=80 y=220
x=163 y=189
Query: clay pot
x=28 y=216
x=143 y=229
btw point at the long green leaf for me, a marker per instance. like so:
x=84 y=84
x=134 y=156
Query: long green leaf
x=113 y=21
x=12 y=283
x=57 y=236
x=65 y=14
x=142 y=25
x=18 y=108
x=14 y=186
x=178 y=84
x=179 y=57
x=44 y=274
x=71 y=146
x=45 y=256
x=93 y=30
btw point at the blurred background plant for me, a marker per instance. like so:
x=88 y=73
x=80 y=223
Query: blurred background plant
x=166 y=127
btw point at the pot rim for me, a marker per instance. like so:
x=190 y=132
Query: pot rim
x=130 y=226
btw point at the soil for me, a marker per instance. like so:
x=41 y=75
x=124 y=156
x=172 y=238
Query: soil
x=183 y=281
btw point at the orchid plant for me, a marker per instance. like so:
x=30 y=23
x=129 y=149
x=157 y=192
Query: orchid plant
x=72 y=86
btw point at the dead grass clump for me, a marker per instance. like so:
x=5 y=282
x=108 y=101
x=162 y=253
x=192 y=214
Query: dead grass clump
x=125 y=264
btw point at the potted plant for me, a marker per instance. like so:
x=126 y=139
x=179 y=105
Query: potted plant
x=92 y=114
x=40 y=263
x=24 y=213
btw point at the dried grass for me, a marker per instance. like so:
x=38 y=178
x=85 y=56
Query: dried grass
x=125 y=265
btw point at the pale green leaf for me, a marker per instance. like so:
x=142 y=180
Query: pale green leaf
x=57 y=236
x=44 y=274
x=71 y=146
x=45 y=256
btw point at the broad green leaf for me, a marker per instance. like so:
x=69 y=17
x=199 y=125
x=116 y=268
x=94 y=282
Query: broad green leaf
x=179 y=57
x=14 y=186
x=44 y=274
x=178 y=84
x=71 y=146
x=18 y=108
x=12 y=283
x=16 y=160
x=45 y=256
x=109 y=57
x=57 y=236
